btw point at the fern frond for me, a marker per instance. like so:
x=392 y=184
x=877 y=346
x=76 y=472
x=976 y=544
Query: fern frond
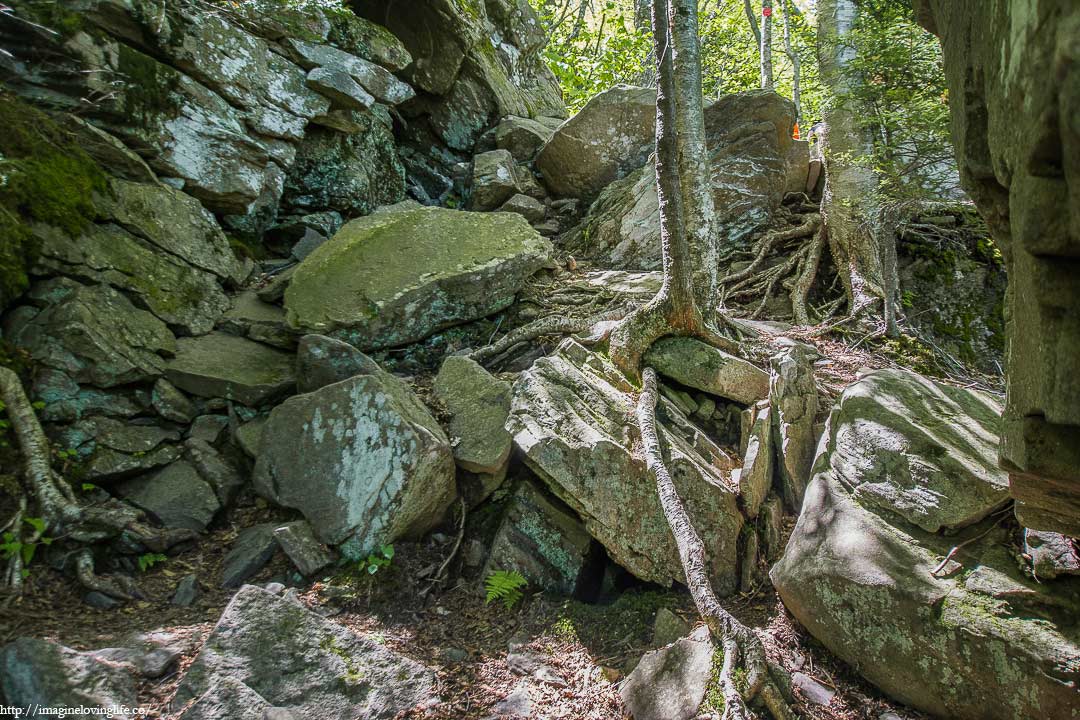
x=505 y=586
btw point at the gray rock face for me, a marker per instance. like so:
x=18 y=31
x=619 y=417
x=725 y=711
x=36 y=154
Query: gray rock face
x=857 y=569
x=93 y=334
x=322 y=361
x=793 y=399
x=40 y=672
x=609 y=137
x=362 y=459
x=178 y=294
x=748 y=134
x=225 y=366
x=258 y=320
x=544 y=542
x=112 y=449
x=669 y=683
x=376 y=80
x=172 y=404
x=393 y=278
x=522 y=137
x=340 y=87
x=175 y=496
x=292 y=658
x=1052 y=554
x=755 y=477
x=697 y=365
x=214 y=468
x=569 y=419
x=478 y=404
x=1021 y=166
x=348 y=173
x=493 y=180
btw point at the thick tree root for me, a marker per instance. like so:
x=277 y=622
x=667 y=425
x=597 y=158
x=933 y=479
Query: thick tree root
x=63 y=516
x=763 y=246
x=738 y=641
x=550 y=325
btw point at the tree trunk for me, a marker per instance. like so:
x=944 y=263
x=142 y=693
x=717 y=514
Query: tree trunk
x=751 y=18
x=793 y=57
x=766 y=45
x=643 y=23
x=851 y=203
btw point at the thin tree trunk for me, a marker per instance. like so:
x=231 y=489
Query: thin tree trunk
x=643 y=23
x=751 y=18
x=766 y=46
x=793 y=57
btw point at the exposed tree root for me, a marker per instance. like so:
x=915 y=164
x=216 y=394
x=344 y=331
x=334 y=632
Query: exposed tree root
x=550 y=325
x=805 y=276
x=768 y=241
x=62 y=516
x=737 y=640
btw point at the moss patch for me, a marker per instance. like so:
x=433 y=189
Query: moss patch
x=45 y=177
x=149 y=91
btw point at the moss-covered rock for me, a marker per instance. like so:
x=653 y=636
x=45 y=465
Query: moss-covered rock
x=972 y=638
x=45 y=177
x=393 y=278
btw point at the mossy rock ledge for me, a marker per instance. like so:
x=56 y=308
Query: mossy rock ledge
x=396 y=277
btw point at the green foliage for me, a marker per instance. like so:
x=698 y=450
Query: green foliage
x=608 y=47
x=378 y=560
x=505 y=586
x=899 y=89
x=44 y=177
x=149 y=560
x=12 y=544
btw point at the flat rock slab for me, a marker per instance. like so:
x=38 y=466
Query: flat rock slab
x=292 y=658
x=697 y=365
x=303 y=548
x=394 y=278
x=569 y=418
x=362 y=459
x=669 y=683
x=225 y=366
x=979 y=641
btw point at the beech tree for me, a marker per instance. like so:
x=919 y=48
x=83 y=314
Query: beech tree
x=766 y=45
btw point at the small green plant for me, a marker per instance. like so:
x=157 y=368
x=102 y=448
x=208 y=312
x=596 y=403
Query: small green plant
x=505 y=586
x=13 y=545
x=377 y=560
x=149 y=560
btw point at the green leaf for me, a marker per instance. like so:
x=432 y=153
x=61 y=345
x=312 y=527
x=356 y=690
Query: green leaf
x=388 y=551
x=35 y=522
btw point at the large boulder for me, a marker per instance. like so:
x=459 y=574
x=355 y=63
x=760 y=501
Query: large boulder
x=493 y=180
x=570 y=419
x=289 y=657
x=362 y=459
x=748 y=135
x=863 y=571
x=703 y=367
x=394 y=278
x=608 y=138
x=669 y=683
x=1018 y=147
x=522 y=137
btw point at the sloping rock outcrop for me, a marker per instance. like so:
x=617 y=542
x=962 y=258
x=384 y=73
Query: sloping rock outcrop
x=569 y=418
x=748 y=135
x=905 y=459
x=395 y=277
